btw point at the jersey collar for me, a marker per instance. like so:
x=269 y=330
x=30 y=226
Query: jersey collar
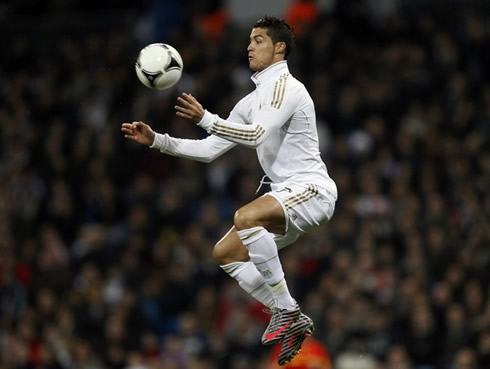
x=271 y=72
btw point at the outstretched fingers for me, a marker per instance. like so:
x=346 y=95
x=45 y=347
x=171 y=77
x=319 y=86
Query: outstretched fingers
x=184 y=100
x=126 y=128
x=186 y=108
x=191 y=98
x=189 y=108
x=181 y=112
x=129 y=130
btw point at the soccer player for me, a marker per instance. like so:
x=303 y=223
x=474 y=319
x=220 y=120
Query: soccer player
x=277 y=119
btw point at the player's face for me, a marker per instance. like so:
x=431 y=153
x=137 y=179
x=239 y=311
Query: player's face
x=261 y=51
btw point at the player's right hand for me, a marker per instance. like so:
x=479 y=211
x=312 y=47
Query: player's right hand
x=139 y=132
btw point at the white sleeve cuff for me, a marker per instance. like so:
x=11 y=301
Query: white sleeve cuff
x=207 y=120
x=159 y=142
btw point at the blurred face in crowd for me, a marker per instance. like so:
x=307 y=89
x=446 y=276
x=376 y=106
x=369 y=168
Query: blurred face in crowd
x=262 y=52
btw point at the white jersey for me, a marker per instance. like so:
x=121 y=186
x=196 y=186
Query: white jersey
x=277 y=119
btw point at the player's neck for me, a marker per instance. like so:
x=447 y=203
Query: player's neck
x=277 y=68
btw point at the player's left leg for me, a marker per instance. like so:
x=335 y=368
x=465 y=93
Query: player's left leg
x=255 y=223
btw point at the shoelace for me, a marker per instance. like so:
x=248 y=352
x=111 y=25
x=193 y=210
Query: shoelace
x=269 y=310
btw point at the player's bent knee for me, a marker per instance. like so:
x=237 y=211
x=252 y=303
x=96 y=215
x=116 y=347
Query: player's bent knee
x=243 y=220
x=224 y=254
x=219 y=255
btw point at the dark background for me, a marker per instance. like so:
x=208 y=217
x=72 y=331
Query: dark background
x=105 y=245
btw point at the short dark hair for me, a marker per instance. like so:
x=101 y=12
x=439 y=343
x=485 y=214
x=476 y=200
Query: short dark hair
x=278 y=30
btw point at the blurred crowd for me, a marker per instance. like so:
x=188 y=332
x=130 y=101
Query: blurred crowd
x=105 y=245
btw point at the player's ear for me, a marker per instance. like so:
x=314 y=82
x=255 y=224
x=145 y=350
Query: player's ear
x=280 y=47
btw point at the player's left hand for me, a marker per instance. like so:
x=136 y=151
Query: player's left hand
x=189 y=108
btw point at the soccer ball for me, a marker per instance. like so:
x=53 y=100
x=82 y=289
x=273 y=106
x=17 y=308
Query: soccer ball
x=159 y=66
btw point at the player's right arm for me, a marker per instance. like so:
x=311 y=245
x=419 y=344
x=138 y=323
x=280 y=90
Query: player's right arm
x=205 y=150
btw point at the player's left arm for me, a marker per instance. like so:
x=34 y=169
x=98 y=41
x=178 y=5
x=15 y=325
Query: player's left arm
x=271 y=116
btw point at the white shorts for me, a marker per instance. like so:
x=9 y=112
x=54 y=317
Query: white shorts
x=306 y=206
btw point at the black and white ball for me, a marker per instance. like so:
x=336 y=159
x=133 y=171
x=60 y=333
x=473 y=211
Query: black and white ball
x=159 y=66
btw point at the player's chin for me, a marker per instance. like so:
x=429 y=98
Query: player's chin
x=252 y=65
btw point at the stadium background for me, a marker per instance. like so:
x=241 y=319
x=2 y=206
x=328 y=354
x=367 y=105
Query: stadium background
x=105 y=246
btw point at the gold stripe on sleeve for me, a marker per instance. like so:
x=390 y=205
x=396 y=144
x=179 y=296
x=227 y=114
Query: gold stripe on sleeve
x=282 y=93
x=259 y=130
x=279 y=91
x=276 y=96
x=275 y=93
x=241 y=134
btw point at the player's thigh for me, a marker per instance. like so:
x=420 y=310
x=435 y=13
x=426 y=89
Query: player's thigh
x=264 y=211
x=230 y=249
x=306 y=207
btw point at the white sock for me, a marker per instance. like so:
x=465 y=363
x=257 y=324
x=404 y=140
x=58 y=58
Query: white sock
x=263 y=253
x=249 y=278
